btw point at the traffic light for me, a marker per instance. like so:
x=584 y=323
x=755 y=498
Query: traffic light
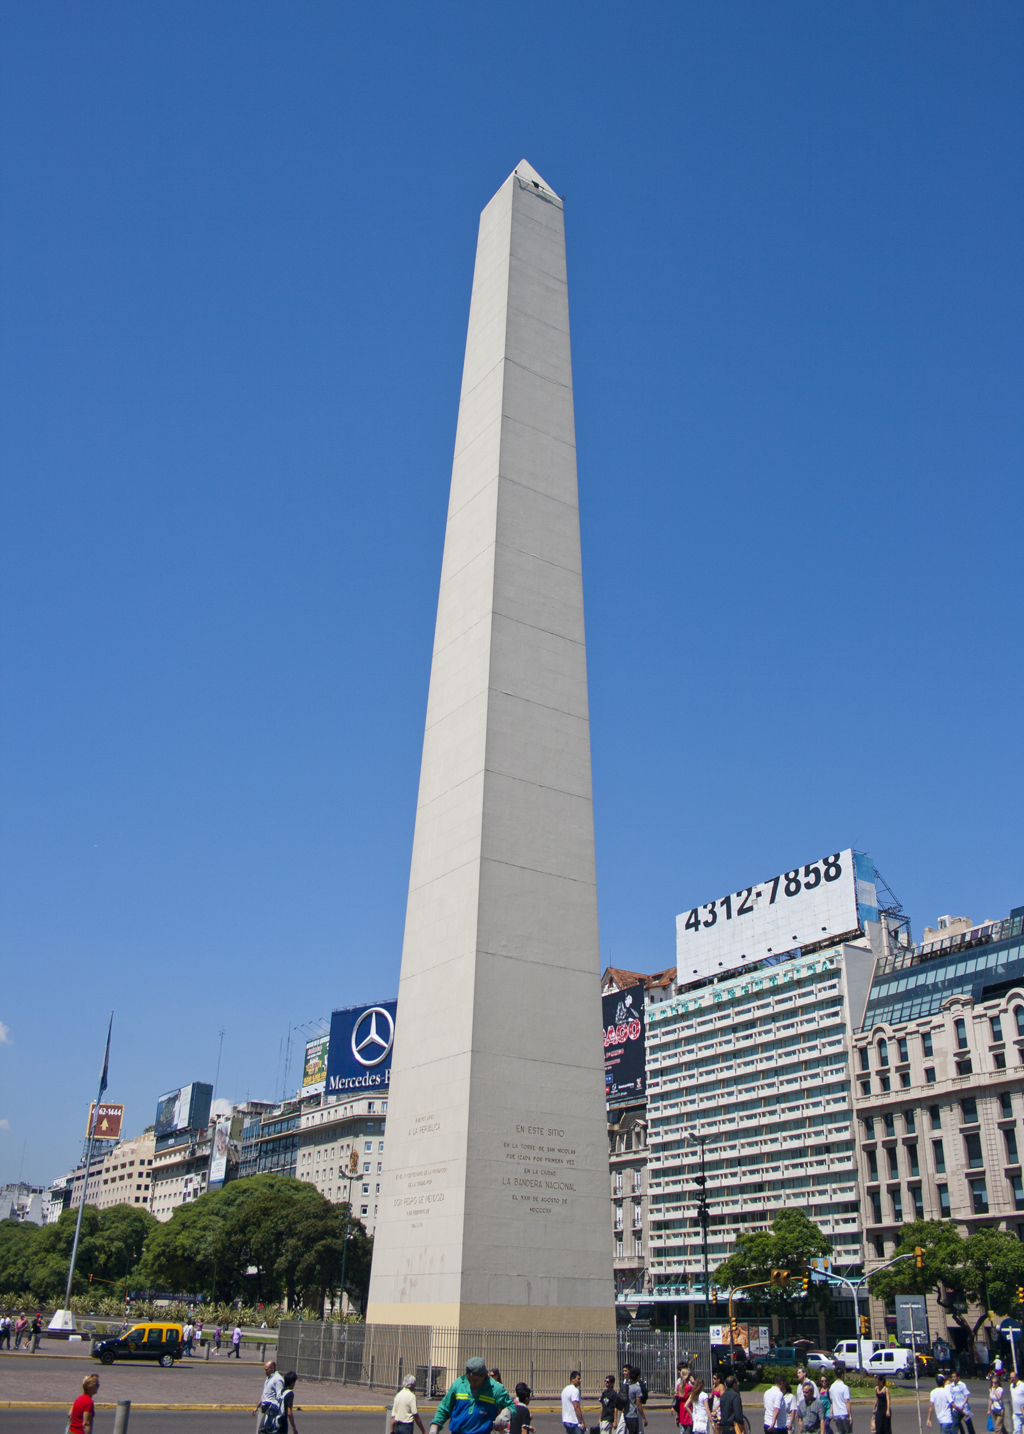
x=733 y=1323
x=805 y=1283
x=779 y=1278
x=919 y=1256
x=1020 y=1293
x=714 y=1295
x=865 y=1327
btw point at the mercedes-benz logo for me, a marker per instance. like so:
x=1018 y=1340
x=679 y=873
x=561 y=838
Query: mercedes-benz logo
x=372 y=1036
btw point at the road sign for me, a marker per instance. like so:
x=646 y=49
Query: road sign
x=1010 y=1328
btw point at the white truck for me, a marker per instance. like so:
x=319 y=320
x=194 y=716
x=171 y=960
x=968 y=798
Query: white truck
x=846 y=1350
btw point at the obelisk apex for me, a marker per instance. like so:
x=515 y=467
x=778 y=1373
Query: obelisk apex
x=494 y=1207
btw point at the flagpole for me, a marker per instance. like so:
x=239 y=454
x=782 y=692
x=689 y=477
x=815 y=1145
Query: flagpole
x=88 y=1163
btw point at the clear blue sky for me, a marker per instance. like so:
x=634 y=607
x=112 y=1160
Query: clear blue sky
x=236 y=259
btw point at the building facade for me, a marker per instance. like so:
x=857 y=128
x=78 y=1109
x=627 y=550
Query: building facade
x=939 y=1090
x=758 y=1065
x=341 y=1151
x=627 y=1154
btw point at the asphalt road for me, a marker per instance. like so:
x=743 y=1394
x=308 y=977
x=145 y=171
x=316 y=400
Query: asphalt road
x=44 y=1421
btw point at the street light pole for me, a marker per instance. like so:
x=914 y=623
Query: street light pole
x=703 y=1217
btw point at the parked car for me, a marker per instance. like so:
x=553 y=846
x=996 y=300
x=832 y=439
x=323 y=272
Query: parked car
x=819 y=1359
x=897 y=1363
x=161 y=1342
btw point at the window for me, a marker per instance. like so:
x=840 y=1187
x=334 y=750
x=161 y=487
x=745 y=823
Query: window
x=380 y=1166
x=869 y=1126
x=964 y=1067
x=890 y=1127
x=865 y=1059
x=960 y=1027
x=940 y=1157
x=911 y=1120
x=904 y=1079
x=1018 y=1013
x=999 y=1060
x=883 y=1082
x=618 y=1182
x=364 y=1210
x=618 y=1217
x=969 y=1107
x=366 y=1167
x=639 y=1247
x=926 y=1045
x=979 y=1196
x=865 y=1087
x=1011 y=1147
x=872 y=1165
x=944 y=1201
x=638 y=1213
x=876 y=1207
x=618 y=1248
x=368 y=1147
x=902 y=1047
x=1017 y=1186
x=935 y=1116
x=929 y=1075
x=997 y=1028
x=883 y=1053
x=1007 y=1105
x=972 y=1144
x=897 y=1206
x=912 y=1160
x=880 y=1246
x=366 y=1190
x=380 y=1147
x=918 y=1202
x=894 y=1169
x=636 y=1179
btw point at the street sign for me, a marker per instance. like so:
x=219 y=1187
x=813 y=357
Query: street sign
x=1010 y=1328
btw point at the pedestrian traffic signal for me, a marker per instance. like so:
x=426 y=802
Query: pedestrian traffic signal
x=779 y=1278
x=865 y=1327
x=919 y=1256
x=805 y=1283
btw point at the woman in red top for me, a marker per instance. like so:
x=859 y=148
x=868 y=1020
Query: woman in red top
x=83 y=1411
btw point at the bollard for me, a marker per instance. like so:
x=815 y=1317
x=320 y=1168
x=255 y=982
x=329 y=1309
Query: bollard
x=207 y=1351
x=124 y=1408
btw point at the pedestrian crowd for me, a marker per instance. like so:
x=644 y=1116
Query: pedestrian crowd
x=24 y=1331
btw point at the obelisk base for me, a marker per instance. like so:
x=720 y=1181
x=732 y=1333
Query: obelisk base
x=504 y=1317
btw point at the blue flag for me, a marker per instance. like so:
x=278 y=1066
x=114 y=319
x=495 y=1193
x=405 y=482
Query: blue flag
x=106 y=1058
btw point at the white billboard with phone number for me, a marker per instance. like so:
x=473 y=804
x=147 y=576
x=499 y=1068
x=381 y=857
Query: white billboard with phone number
x=811 y=903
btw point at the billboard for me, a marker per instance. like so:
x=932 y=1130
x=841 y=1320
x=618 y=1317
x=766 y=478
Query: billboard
x=225 y=1150
x=359 y=1054
x=314 y=1072
x=810 y=904
x=187 y=1108
x=754 y=1338
x=108 y=1121
x=625 y=1045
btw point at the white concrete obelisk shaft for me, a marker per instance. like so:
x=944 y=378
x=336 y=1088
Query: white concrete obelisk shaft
x=494 y=1208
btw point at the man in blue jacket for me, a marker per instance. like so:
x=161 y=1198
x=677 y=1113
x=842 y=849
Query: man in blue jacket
x=473 y=1402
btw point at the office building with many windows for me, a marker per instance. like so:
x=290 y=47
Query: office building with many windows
x=939 y=1090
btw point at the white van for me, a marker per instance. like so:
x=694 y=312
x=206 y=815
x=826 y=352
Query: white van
x=896 y=1362
x=846 y=1350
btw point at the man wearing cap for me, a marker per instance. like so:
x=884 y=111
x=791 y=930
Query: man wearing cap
x=473 y=1402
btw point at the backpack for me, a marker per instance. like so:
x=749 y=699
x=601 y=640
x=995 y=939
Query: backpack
x=643 y=1389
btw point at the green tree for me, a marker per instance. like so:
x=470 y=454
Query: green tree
x=983 y=1268
x=35 y=1258
x=791 y=1243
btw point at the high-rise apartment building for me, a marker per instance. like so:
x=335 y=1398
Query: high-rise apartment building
x=758 y=1064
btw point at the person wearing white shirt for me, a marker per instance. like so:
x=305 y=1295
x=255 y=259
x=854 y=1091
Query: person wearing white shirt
x=775 y=1416
x=572 y=1415
x=839 y=1393
x=941 y=1405
x=960 y=1396
x=1017 y=1401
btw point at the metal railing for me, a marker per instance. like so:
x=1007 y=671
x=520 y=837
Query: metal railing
x=381 y=1356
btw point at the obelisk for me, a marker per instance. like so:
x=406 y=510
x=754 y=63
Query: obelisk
x=494 y=1205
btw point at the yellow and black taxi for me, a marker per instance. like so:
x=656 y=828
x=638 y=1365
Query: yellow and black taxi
x=160 y=1341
